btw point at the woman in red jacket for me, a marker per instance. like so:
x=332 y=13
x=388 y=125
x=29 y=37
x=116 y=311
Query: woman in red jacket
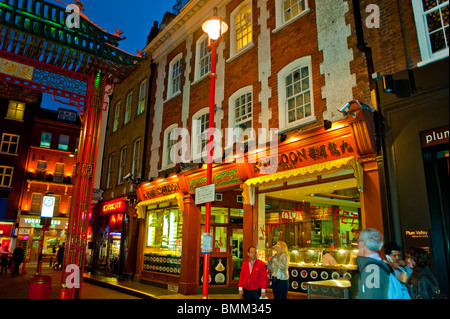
x=253 y=280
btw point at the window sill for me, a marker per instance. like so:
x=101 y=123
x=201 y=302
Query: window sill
x=298 y=124
x=240 y=52
x=172 y=96
x=200 y=78
x=439 y=56
x=278 y=28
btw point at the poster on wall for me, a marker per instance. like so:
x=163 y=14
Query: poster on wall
x=217 y=271
x=419 y=238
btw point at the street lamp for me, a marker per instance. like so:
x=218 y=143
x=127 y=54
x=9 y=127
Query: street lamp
x=215 y=27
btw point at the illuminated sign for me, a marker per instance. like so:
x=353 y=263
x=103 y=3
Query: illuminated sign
x=113 y=206
x=48 y=205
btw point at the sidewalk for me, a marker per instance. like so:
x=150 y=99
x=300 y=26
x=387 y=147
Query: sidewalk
x=148 y=291
x=96 y=287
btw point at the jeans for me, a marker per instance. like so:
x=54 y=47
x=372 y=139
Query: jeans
x=252 y=294
x=280 y=288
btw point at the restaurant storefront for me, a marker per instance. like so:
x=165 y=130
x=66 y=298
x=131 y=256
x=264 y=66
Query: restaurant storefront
x=173 y=225
x=325 y=187
x=112 y=235
x=30 y=234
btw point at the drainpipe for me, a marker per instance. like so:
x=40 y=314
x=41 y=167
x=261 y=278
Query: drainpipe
x=385 y=191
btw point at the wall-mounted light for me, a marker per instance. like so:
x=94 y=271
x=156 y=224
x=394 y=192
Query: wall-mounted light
x=72 y=154
x=283 y=137
x=389 y=84
x=327 y=124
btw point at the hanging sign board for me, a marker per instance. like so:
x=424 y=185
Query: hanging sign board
x=48 y=205
x=205 y=194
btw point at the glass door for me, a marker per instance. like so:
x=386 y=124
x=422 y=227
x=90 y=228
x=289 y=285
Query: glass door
x=237 y=253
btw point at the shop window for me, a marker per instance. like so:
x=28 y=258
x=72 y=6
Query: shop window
x=164 y=229
x=315 y=222
x=46 y=139
x=15 y=111
x=219 y=215
x=219 y=238
x=10 y=143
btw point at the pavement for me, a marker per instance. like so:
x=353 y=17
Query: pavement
x=93 y=287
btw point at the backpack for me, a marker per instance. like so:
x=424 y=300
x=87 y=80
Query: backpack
x=396 y=289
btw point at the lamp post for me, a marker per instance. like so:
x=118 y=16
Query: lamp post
x=215 y=27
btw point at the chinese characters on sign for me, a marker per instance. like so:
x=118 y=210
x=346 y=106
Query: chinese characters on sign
x=290 y=160
x=18 y=70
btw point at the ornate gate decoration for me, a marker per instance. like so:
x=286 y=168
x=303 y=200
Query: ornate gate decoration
x=78 y=66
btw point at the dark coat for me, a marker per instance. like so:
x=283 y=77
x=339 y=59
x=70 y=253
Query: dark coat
x=18 y=255
x=423 y=284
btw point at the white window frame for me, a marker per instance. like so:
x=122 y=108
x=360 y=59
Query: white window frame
x=116 y=117
x=282 y=98
x=122 y=165
x=279 y=14
x=135 y=169
x=142 y=97
x=232 y=107
x=423 y=36
x=177 y=61
x=128 y=103
x=3 y=175
x=233 y=34
x=198 y=75
x=168 y=145
x=13 y=107
x=110 y=170
x=8 y=142
x=196 y=136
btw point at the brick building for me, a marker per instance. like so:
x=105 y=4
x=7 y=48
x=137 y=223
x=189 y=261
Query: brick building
x=320 y=73
x=18 y=107
x=114 y=224
x=50 y=166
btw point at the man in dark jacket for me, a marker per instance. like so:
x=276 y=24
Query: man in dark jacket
x=17 y=259
x=373 y=281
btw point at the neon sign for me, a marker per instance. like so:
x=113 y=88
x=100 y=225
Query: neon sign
x=117 y=205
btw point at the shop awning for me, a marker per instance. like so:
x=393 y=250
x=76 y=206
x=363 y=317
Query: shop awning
x=177 y=196
x=309 y=171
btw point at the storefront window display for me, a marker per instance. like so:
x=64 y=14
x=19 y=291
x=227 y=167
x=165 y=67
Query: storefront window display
x=316 y=223
x=164 y=237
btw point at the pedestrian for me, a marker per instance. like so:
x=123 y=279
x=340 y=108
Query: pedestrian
x=253 y=280
x=422 y=284
x=279 y=268
x=4 y=260
x=401 y=270
x=372 y=281
x=17 y=259
x=60 y=256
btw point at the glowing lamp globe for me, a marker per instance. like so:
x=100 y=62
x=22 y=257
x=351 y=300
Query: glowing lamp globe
x=215 y=27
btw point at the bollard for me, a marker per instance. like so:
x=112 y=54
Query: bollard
x=40 y=287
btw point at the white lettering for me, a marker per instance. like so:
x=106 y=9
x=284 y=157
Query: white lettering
x=373 y=279
x=373 y=19
x=73 y=279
